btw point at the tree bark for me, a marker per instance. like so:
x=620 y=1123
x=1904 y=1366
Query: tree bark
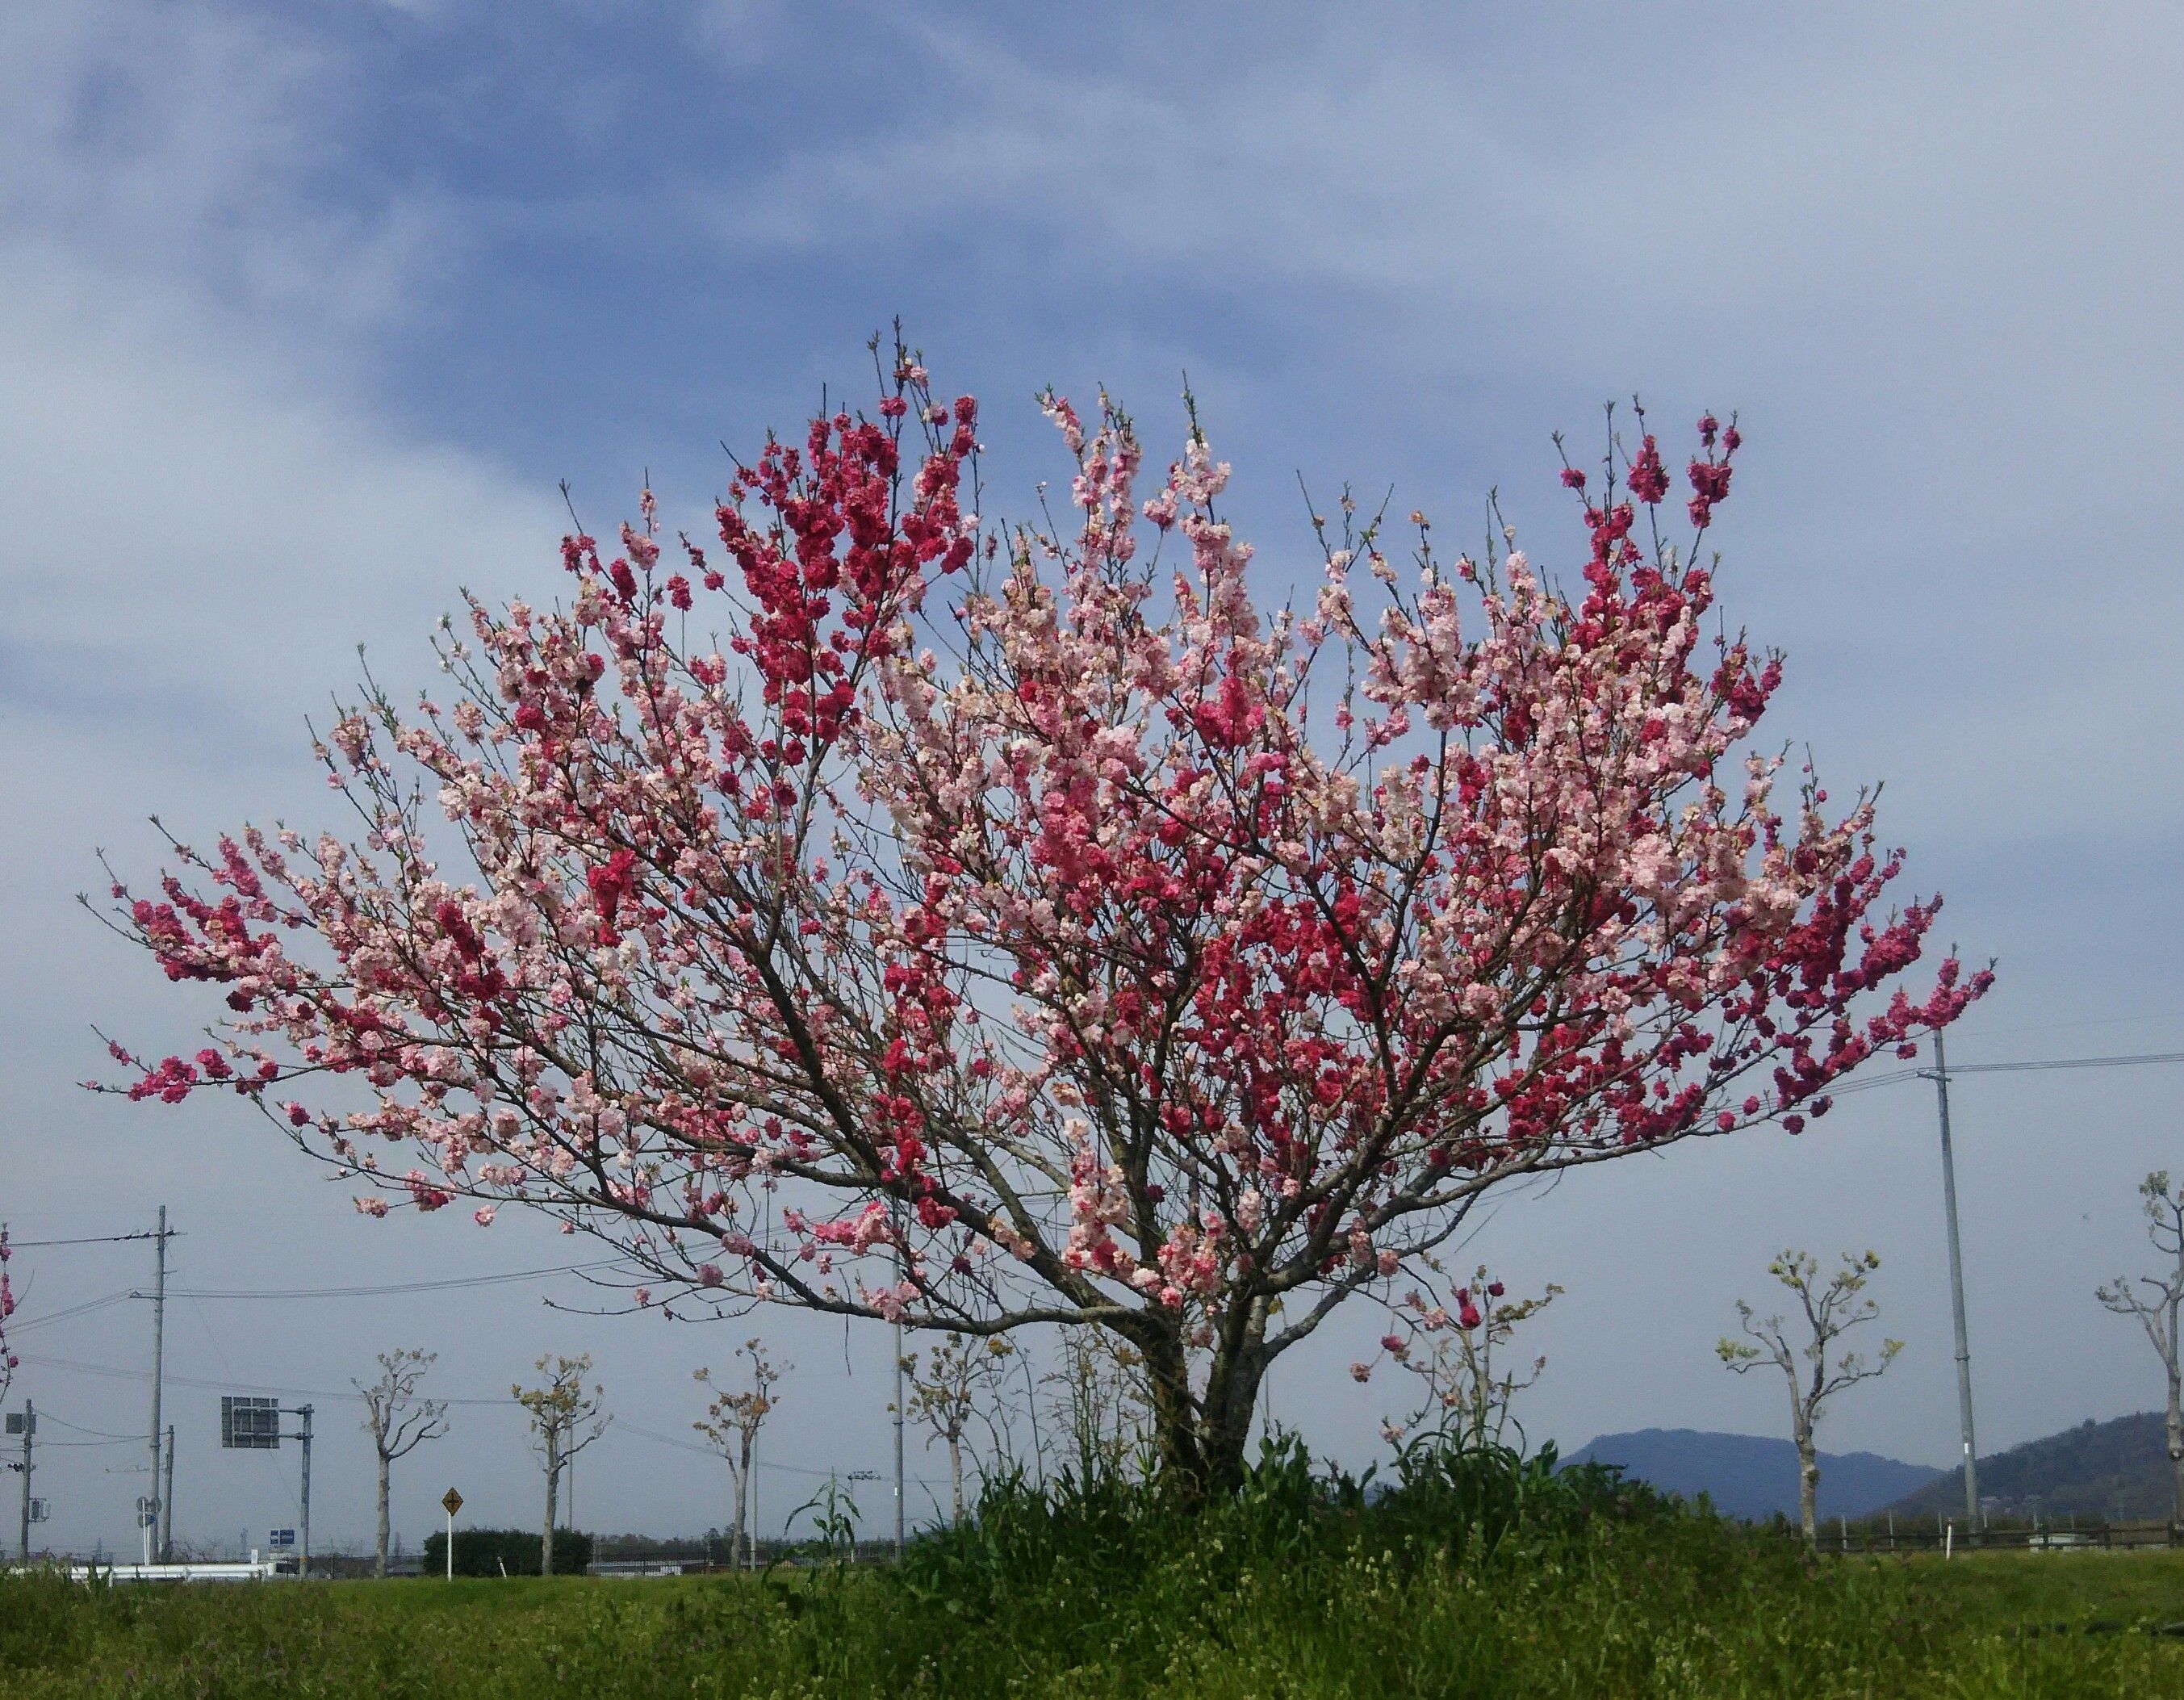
x=2175 y=1437
x=2173 y=1363
x=1808 y=1488
x=1175 y=1420
x=379 y=1566
x=1201 y=1442
x=553 y=1502
x=956 y=1474
x=739 y=1557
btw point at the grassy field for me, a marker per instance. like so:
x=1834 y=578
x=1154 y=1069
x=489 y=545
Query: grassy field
x=1110 y=1597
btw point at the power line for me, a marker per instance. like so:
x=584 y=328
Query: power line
x=2069 y=1062
x=103 y=1434
x=385 y=1289
x=670 y=1441
x=84 y=1309
x=1896 y=1076
x=89 y=1240
x=757 y=1463
x=119 y=1374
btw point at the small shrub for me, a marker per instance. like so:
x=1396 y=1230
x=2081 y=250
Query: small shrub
x=506 y=1552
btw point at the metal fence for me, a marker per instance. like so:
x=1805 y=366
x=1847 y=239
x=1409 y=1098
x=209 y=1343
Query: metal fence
x=2037 y=1537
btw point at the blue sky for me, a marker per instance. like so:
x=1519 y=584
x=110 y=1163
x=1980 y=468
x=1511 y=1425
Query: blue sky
x=305 y=311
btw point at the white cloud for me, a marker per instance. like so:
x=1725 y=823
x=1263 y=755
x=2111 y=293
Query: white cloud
x=189 y=510
x=201 y=514
x=200 y=500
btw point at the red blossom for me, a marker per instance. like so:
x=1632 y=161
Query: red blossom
x=1649 y=478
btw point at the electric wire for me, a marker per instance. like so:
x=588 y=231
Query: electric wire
x=2067 y=1063
x=102 y=1434
x=1896 y=1076
x=115 y=1373
x=387 y=1289
x=126 y=1440
x=757 y=1463
x=24 y=1325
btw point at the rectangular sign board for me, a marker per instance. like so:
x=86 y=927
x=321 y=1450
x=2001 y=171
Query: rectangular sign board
x=19 y=1422
x=281 y=1539
x=249 y=1423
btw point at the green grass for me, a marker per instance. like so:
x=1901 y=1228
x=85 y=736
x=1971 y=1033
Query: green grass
x=1484 y=1581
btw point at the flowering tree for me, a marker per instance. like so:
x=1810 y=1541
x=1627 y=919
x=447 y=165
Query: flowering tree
x=565 y=1419
x=1829 y=1310
x=2155 y=1302
x=731 y=1425
x=998 y=926
x=1467 y=1387
x=398 y=1423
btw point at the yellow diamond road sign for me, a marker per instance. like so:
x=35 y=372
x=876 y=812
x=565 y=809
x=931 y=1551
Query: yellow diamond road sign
x=453 y=1501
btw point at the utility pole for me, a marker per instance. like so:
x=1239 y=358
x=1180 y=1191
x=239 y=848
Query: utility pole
x=159 y=1531
x=167 y=1504
x=303 y=1564
x=1939 y=1074
x=30 y=1418
x=898 y=1494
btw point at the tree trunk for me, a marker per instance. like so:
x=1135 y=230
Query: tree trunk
x=553 y=1503
x=2173 y=1363
x=2175 y=1437
x=379 y=1567
x=1176 y=1428
x=956 y=1474
x=1201 y=1442
x=1809 y=1489
x=739 y=1557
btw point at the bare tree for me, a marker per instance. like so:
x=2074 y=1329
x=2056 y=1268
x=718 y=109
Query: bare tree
x=956 y=1385
x=731 y=1424
x=1830 y=1309
x=565 y=1419
x=1101 y=1404
x=1459 y=1356
x=2155 y=1301
x=398 y=1422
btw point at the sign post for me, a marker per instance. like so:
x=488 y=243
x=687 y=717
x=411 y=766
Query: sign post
x=451 y=1503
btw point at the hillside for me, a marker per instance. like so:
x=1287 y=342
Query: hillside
x=2116 y=1471
x=1752 y=1476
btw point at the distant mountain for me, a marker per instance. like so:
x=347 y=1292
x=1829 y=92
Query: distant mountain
x=2116 y=1471
x=1753 y=1477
